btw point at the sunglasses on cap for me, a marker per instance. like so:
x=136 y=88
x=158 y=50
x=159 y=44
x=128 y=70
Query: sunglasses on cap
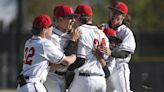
x=71 y=16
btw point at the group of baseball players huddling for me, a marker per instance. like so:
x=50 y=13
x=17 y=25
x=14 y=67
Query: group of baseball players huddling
x=70 y=54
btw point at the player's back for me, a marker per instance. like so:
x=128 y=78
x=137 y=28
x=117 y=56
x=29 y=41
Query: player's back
x=35 y=59
x=91 y=38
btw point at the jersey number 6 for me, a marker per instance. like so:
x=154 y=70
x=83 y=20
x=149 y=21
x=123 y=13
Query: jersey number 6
x=29 y=53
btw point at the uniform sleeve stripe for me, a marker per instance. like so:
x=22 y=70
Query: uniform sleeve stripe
x=81 y=55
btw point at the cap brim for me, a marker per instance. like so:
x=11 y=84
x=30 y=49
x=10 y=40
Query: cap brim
x=73 y=15
x=115 y=39
x=115 y=9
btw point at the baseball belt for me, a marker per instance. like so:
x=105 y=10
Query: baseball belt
x=21 y=80
x=60 y=73
x=89 y=74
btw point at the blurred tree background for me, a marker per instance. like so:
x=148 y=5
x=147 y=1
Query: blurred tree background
x=147 y=24
x=146 y=14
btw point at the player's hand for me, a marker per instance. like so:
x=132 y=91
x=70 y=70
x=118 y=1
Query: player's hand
x=97 y=54
x=105 y=50
x=112 y=45
x=75 y=34
x=101 y=27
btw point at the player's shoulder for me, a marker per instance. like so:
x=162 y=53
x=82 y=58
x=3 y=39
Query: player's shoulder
x=54 y=36
x=38 y=42
x=91 y=27
x=123 y=28
x=46 y=42
x=57 y=34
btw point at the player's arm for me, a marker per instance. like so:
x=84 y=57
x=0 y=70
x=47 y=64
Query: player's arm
x=81 y=52
x=55 y=56
x=78 y=63
x=72 y=43
x=126 y=47
x=99 y=56
x=116 y=52
x=72 y=47
x=120 y=53
x=68 y=60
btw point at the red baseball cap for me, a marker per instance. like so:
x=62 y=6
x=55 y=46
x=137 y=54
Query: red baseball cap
x=42 y=21
x=63 y=10
x=120 y=6
x=84 y=9
x=109 y=32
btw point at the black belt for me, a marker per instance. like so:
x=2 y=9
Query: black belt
x=89 y=74
x=21 y=80
x=60 y=73
x=27 y=77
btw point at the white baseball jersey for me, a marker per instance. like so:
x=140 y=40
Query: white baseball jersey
x=119 y=79
x=111 y=62
x=60 y=39
x=91 y=37
x=54 y=81
x=37 y=55
x=128 y=41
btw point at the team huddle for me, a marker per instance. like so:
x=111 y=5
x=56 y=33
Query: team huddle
x=70 y=54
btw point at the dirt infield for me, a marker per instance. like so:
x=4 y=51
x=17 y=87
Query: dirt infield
x=8 y=90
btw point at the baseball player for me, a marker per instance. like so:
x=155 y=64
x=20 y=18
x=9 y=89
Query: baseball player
x=110 y=62
x=89 y=77
x=38 y=53
x=63 y=35
x=122 y=53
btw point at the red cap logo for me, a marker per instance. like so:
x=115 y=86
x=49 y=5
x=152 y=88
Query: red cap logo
x=120 y=6
x=42 y=21
x=62 y=11
x=84 y=9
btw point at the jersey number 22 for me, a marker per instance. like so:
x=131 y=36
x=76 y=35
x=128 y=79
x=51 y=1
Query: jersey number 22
x=29 y=53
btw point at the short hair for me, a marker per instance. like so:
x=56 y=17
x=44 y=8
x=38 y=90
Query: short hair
x=36 y=30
